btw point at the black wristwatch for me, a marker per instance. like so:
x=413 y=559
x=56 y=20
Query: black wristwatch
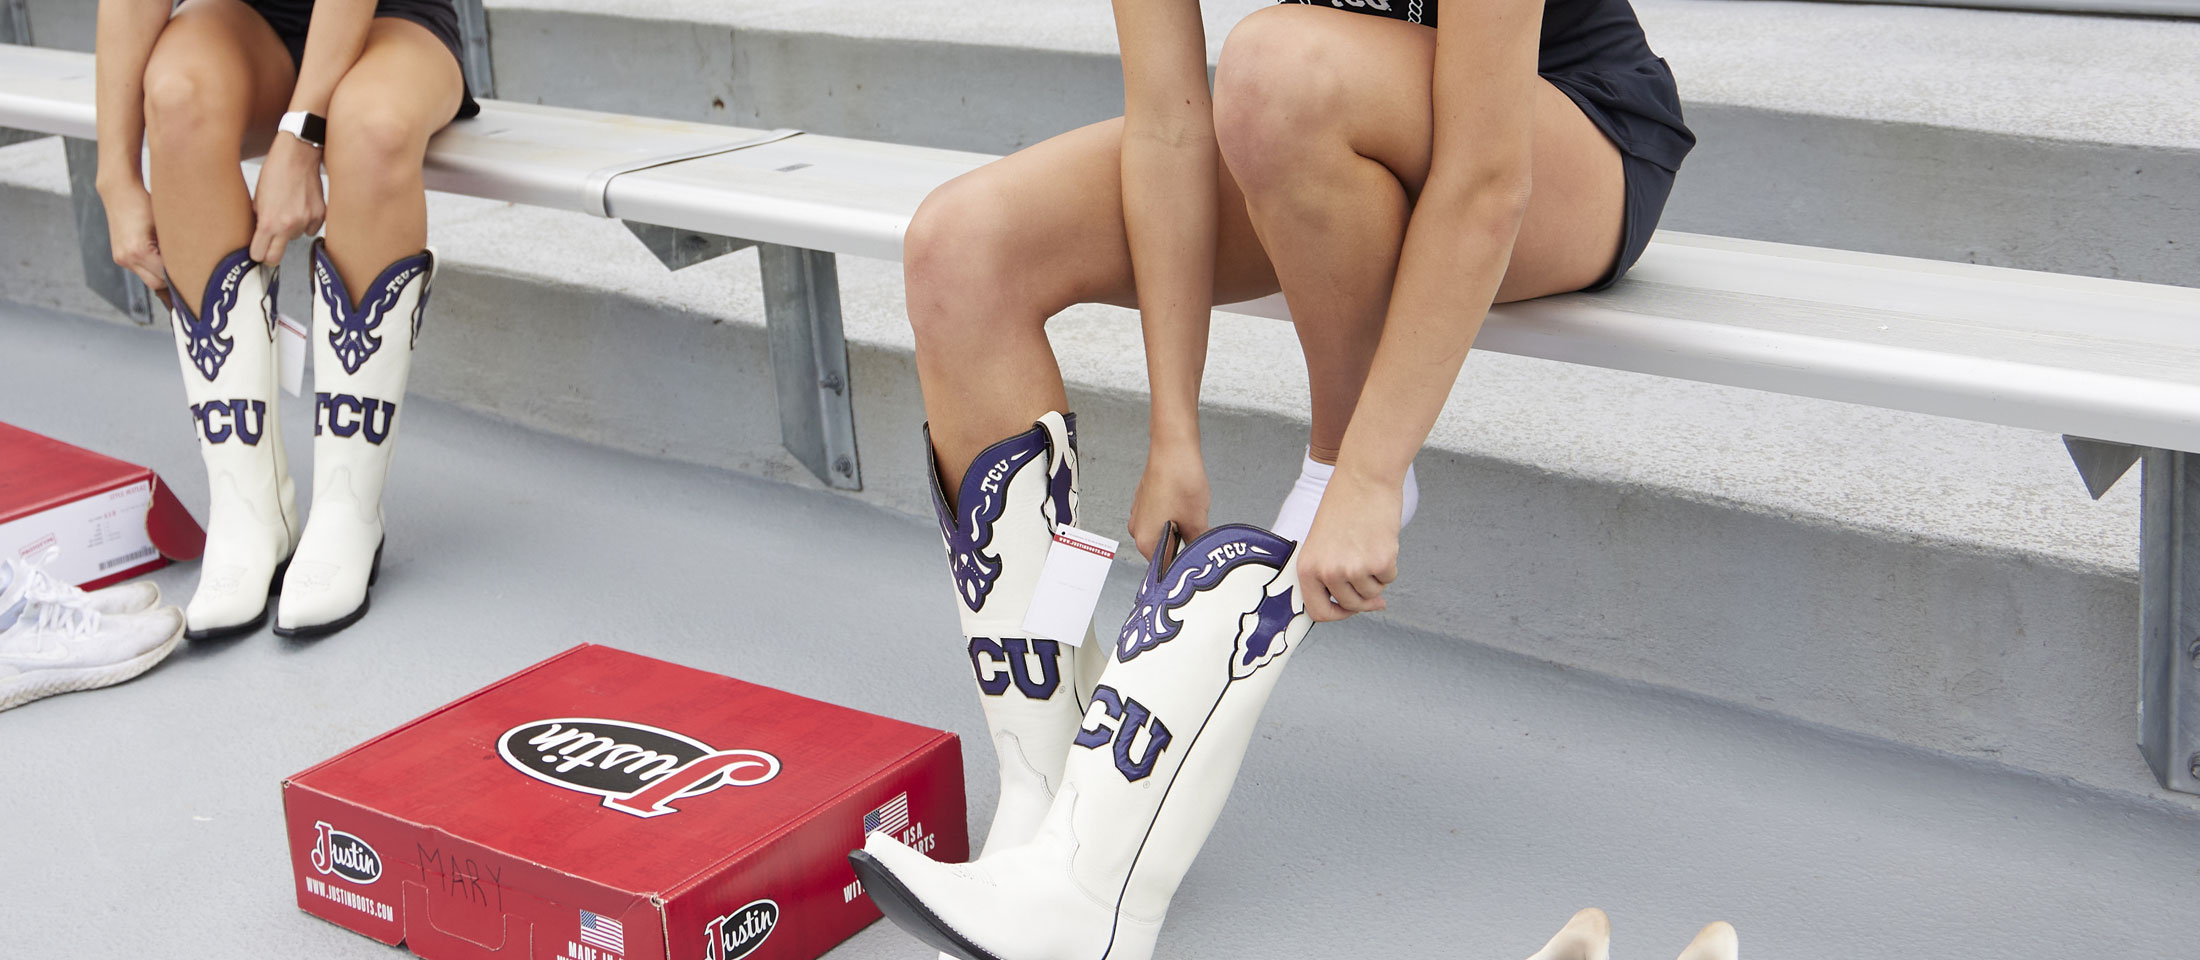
x=305 y=126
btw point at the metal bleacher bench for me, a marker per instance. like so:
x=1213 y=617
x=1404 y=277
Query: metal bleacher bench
x=2113 y=366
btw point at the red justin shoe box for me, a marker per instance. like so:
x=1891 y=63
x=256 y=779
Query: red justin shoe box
x=602 y=805
x=110 y=520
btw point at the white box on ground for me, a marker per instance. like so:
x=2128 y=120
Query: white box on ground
x=1069 y=586
x=97 y=535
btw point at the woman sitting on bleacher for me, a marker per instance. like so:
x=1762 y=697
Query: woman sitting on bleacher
x=204 y=84
x=1393 y=178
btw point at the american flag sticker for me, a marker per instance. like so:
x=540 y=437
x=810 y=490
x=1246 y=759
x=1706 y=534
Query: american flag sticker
x=603 y=932
x=892 y=818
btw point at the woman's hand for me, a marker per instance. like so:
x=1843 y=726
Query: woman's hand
x=130 y=234
x=1173 y=488
x=1351 y=554
x=288 y=200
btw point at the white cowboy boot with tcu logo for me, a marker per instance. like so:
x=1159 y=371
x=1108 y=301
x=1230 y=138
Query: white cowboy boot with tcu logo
x=1011 y=501
x=1162 y=739
x=227 y=350
x=361 y=358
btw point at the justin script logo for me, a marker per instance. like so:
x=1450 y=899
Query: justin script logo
x=341 y=854
x=636 y=769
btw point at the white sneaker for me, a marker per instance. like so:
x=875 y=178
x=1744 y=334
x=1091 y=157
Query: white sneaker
x=42 y=587
x=48 y=648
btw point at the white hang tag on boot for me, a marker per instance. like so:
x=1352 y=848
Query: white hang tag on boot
x=290 y=353
x=1069 y=586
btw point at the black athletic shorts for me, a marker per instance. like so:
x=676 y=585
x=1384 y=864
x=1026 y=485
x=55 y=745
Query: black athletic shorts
x=290 y=18
x=1594 y=52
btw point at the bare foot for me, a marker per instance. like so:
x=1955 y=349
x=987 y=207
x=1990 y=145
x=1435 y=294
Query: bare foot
x=1588 y=936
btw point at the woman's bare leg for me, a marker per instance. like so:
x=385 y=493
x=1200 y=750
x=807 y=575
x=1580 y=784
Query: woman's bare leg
x=405 y=87
x=215 y=86
x=1324 y=118
x=996 y=252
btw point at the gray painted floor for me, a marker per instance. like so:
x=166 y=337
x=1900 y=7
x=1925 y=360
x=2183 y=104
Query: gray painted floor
x=1412 y=795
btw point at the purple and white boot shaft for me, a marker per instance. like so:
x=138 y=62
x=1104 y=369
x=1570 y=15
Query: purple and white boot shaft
x=1163 y=734
x=362 y=359
x=1010 y=503
x=227 y=351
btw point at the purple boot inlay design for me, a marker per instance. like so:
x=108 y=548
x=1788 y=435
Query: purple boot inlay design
x=1198 y=566
x=206 y=337
x=353 y=334
x=982 y=501
x=1262 y=642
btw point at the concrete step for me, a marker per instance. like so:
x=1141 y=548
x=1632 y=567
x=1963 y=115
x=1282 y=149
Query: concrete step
x=1933 y=583
x=1409 y=794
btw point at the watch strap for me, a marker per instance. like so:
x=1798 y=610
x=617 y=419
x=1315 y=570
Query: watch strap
x=309 y=127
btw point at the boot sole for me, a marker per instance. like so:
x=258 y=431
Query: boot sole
x=25 y=688
x=901 y=906
x=374 y=573
x=274 y=589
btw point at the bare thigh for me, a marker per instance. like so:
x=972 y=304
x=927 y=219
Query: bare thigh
x=403 y=88
x=1296 y=73
x=1057 y=208
x=215 y=85
x=223 y=55
x=1066 y=192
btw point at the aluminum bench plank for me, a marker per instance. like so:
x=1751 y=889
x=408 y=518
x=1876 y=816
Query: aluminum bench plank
x=560 y=158
x=811 y=191
x=50 y=91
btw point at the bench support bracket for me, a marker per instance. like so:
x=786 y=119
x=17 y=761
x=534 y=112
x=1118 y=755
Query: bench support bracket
x=113 y=283
x=2169 y=621
x=2101 y=462
x=810 y=362
x=809 y=354
x=679 y=249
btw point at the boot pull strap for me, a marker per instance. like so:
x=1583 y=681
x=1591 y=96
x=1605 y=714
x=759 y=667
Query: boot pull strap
x=1057 y=439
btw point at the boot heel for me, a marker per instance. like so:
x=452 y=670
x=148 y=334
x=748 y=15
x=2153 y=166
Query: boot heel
x=374 y=573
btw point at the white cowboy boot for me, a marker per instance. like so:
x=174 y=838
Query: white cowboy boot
x=228 y=354
x=361 y=357
x=1162 y=740
x=1011 y=501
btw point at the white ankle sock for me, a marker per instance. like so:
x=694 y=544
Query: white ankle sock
x=1297 y=515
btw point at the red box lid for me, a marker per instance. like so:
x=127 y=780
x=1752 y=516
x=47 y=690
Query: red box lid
x=624 y=785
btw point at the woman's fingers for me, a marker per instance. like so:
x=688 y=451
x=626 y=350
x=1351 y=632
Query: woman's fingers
x=268 y=245
x=262 y=238
x=1318 y=604
x=1370 y=592
x=1358 y=593
x=1146 y=536
x=153 y=279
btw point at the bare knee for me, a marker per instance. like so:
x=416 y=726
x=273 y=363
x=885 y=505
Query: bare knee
x=372 y=138
x=1280 y=94
x=962 y=263
x=191 y=101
